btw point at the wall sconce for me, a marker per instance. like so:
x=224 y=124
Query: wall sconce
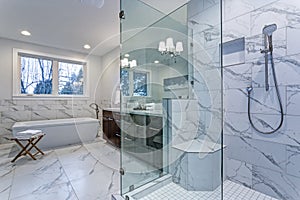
x=128 y=63
x=169 y=48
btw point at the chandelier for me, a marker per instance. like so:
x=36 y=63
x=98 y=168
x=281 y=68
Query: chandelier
x=168 y=48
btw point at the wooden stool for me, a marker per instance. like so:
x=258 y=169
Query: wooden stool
x=31 y=140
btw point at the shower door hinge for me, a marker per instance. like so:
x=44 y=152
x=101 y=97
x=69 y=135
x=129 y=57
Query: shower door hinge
x=131 y=188
x=122 y=172
x=122 y=14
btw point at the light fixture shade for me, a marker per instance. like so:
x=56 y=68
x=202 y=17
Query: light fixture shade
x=179 y=47
x=133 y=63
x=169 y=44
x=124 y=62
x=162 y=46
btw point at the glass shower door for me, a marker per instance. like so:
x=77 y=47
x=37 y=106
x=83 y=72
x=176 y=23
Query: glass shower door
x=141 y=136
x=171 y=102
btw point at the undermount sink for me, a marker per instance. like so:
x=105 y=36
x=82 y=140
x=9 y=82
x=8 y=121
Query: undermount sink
x=142 y=120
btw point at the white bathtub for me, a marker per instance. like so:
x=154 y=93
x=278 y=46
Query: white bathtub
x=61 y=132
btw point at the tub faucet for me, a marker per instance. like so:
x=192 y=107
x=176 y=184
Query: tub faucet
x=96 y=108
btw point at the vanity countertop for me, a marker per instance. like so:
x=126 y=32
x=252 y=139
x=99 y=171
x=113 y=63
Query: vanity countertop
x=157 y=113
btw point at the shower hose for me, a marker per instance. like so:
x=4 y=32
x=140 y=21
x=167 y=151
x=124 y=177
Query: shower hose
x=278 y=97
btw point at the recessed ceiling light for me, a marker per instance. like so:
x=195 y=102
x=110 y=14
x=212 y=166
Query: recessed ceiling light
x=87 y=46
x=126 y=55
x=26 y=33
x=156 y=62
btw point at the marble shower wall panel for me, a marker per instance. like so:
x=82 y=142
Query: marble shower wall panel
x=238 y=76
x=12 y=111
x=235 y=100
x=267 y=163
x=293 y=99
x=237 y=124
x=283 y=13
x=205 y=59
x=256 y=152
x=239 y=172
x=276 y=184
x=293 y=32
x=185 y=120
x=266 y=102
x=235 y=8
x=293 y=164
x=236 y=28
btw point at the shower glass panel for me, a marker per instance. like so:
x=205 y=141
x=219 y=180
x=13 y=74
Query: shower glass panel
x=171 y=102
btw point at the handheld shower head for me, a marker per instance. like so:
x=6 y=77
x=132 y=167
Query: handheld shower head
x=269 y=29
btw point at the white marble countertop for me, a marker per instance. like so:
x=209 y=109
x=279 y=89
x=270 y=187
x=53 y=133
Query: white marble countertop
x=138 y=112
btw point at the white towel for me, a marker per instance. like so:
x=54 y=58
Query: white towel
x=28 y=133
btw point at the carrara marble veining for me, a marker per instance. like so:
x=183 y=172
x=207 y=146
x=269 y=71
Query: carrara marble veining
x=266 y=163
x=88 y=171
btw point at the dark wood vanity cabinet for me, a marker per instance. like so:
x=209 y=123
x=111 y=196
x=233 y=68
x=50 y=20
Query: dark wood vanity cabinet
x=111 y=127
x=142 y=135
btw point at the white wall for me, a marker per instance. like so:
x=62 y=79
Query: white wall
x=27 y=109
x=6 y=64
x=109 y=79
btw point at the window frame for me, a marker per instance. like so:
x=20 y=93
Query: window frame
x=17 y=53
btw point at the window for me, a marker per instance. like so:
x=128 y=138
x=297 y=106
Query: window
x=124 y=83
x=44 y=75
x=36 y=76
x=140 y=84
x=70 y=78
x=134 y=83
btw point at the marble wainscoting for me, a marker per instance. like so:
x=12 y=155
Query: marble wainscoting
x=12 y=111
x=89 y=171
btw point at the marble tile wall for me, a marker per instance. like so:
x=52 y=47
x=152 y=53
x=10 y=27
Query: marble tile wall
x=12 y=111
x=267 y=163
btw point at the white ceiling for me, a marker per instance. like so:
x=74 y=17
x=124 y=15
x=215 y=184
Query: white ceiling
x=65 y=24
x=69 y=24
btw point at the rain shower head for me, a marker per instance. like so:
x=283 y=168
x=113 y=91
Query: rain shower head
x=269 y=29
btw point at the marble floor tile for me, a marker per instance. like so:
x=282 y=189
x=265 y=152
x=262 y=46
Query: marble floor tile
x=100 y=186
x=41 y=179
x=81 y=172
x=5 y=186
x=25 y=165
x=105 y=154
x=58 y=192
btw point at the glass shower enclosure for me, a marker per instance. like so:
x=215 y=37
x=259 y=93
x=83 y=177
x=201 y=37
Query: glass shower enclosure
x=171 y=102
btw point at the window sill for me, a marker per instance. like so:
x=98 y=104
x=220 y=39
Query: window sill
x=50 y=97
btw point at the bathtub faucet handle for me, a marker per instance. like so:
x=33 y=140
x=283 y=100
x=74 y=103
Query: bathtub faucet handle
x=96 y=108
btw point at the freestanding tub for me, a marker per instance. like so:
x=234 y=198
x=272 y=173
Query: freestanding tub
x=61 y=132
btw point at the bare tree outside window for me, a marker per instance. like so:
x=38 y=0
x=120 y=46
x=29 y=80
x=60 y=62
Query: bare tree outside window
x=36 y=76
x=140 y=84
x=124 y=83
x=70 y=78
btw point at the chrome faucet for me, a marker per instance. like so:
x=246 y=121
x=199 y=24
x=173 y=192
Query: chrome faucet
x=96 y=108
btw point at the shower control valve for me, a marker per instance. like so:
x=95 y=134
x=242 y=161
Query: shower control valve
x=249 y=89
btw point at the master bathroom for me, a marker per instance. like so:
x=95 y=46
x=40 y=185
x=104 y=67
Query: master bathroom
x=149 y=100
